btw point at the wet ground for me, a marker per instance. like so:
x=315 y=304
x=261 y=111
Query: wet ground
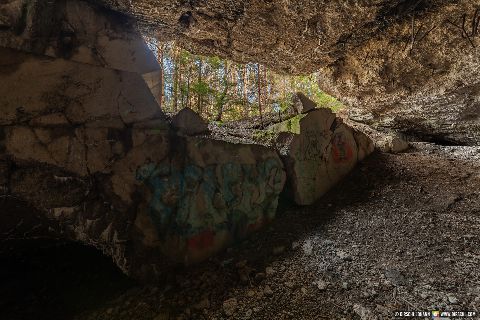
x=401 y=233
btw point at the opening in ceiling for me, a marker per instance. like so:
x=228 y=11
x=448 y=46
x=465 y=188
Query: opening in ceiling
x=222 y=90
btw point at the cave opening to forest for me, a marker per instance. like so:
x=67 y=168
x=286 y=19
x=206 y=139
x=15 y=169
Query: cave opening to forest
x=221 y=90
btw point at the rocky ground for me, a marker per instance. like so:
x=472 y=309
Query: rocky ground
x=401 y=232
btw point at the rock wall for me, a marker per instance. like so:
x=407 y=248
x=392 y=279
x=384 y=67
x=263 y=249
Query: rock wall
x=75 y=30
x=89 y=149
x=65 y=125
x=87 y=155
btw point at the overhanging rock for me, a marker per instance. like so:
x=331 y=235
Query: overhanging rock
x=413 y=65
x=318 y=150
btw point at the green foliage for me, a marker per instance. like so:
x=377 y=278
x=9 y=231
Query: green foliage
x=291 y=125
x=327 y=101
x=265 y=136
x=186 y=57
x=222 y=90
x=215 y=62
x=309 y=86
x=218 y=123
x=200 y=87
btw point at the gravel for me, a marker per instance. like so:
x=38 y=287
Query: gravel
x=402 y=232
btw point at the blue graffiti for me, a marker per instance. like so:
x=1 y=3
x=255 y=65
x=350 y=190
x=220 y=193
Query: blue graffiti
x=218 y=197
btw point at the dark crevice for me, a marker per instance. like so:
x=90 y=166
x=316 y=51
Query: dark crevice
x=186 y=20
x=437 y=139
x=442 y=141
x=45 y=279
x=404 y=9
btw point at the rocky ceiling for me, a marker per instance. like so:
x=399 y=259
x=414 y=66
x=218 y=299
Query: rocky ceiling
x=410 y=65
x=407 y=64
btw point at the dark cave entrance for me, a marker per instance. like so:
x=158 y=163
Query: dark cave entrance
x=45 y=279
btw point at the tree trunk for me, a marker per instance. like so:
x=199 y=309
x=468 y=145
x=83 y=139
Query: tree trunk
x=266 y=96
x=188 y=85
x=199 y=101
x=175 y=80
x=221 y=101
x=180 y=81
x=162 y=85
x=259 y=84
x=245 y=99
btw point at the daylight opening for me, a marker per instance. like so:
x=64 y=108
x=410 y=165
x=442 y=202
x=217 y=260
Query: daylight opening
x=223 y=90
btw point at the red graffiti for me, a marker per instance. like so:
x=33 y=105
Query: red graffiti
x=202 y=240
x=341 y=150
x=255 y=226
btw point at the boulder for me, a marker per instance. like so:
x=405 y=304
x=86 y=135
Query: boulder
x=318 y=150
x=205 y=196
x=302 y=104
x=188 y=122
x=365 y=144
x=393 y=143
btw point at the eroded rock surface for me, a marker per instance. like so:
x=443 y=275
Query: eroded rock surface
x=75 y=30
x=411 y=65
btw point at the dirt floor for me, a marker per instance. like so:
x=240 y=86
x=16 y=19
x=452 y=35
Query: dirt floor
x=401 y=233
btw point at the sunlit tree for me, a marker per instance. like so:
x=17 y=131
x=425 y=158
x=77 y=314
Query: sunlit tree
x=222 y=90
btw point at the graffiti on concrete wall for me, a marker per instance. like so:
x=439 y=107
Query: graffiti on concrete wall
x=341 y=150
x=198 y=203
x=312 y=145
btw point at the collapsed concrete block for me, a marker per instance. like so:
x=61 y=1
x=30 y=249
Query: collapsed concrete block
x=318 y=150
x=206 y=196
x=190 y=123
